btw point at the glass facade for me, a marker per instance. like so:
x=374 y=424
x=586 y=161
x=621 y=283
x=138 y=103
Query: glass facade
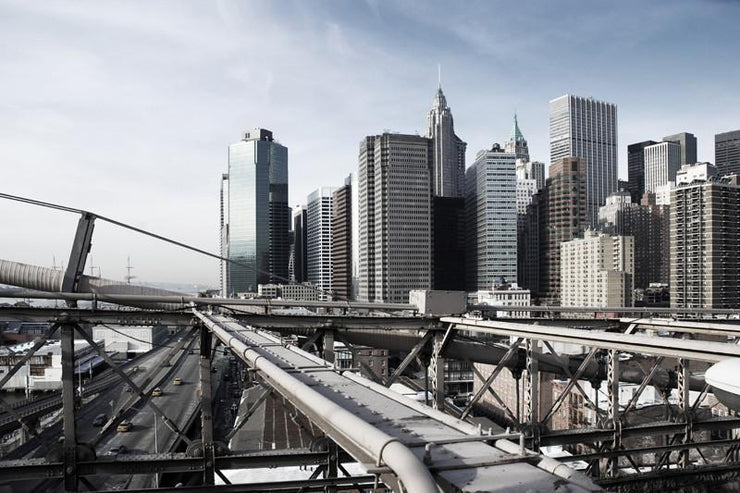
x=258 y=212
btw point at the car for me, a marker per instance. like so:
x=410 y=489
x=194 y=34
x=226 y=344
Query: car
x=124 y=426
x=129 y=389
x=100 y=419
x=118 y=450
x=177 y=381
x=156 y=392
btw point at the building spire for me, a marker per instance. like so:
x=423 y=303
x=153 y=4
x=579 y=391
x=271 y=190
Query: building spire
x=439 y=76
x=516 y=134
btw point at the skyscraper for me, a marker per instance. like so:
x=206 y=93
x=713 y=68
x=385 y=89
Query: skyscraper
x=341 y=248
x=517 y=144
x=491 y=219
x=395 y=216
x=705 y=239
x=449 y=150
x=636 y=169
x=662 y=161
x=319 y=238
x=224 y=240
x=687 y=142
x=258 y=212
x=727 y=152
x=300 y=263
x=448 y=204
x=563 y=217
x=587 y=128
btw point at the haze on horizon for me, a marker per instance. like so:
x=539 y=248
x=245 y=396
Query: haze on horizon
x=127 y=108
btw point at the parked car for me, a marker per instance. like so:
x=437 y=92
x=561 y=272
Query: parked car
x=100 y=419
x=124 y=426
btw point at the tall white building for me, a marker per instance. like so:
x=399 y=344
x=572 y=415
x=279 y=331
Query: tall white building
x=662 y=161
x=448 y=154
x=395 y=216
x=319 y=238
x=491 y=218
x=587 y=128
x=597 y=270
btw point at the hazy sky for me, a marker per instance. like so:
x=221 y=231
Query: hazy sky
x=127 y=108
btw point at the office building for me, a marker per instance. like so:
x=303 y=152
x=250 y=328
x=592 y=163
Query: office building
x=257 y=212
x=587 y=128
x=687 y=142
x=528 y=244
x=448 y=152
x=648 y=224
x=395 y=216
x=341 y=231
x=319 y=238
x=448 y=207
x=300 y=240
x=727 y=152
x=491 y=219
x=224 y=237
x=597 y=270
x=448 y=243
x=636 y=169
x=563 y=217
x=517 y=144
x=705 y=240
x=662 y=161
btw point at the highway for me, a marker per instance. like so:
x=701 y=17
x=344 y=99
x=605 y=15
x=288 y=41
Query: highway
x=178 y=403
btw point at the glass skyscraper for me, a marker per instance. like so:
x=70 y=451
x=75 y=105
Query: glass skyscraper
x=256 y=215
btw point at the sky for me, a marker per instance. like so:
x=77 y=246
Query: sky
x=126 y=109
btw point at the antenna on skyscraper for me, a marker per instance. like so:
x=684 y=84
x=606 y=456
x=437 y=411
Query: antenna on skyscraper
x=128 y=270
x=439 y=76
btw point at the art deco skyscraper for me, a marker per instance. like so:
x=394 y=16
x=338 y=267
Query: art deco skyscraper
x=449 y=150
x=395 y=216
x=257 y=213
x=587 y=128
x=517 y=144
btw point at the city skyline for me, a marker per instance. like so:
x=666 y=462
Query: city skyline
x=128 y=111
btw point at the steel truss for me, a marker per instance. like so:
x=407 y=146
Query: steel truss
x=679 y=443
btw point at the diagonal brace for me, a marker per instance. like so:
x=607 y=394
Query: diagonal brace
x=167 y=421
x=574 y=379
x=410 y=357
x=499 y=367
x=645 y=381
x=249 y=413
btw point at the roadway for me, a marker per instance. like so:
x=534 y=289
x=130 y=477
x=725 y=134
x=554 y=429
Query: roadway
x=177 y=402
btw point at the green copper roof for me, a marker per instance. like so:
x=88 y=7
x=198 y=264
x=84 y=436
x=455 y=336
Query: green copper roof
x=516 y=134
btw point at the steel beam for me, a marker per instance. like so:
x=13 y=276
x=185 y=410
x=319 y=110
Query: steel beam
x=69 y=447
x=495 y=373
x=206 y=409
x=80 y=250
x=410 y=357
x=659 y=346
x=573 y=381
x=532 y=392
